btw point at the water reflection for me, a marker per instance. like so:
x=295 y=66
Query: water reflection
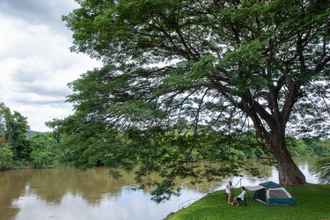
x=12 y=186
x=130 y=204
x=64 y=194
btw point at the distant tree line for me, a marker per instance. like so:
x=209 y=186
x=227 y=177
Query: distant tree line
x=21 y=147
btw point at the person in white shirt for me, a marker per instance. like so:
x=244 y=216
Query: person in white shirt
x=240 y=199
x=228 y=192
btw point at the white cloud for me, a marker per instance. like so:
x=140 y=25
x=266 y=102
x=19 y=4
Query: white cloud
x=38 y=11
x=36 y=65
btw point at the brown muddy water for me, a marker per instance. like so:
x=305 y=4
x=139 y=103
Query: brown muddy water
x=72 y=194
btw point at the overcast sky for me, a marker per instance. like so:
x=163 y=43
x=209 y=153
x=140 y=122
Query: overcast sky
x=35 y=61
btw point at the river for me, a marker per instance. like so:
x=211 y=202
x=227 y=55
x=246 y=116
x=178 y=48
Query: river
x=72 y=194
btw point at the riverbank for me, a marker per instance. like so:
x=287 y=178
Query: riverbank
x=312 y=203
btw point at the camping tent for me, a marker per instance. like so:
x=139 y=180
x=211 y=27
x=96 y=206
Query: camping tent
x=271 y=193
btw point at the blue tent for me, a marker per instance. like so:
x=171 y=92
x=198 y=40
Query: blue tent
x=271 y=193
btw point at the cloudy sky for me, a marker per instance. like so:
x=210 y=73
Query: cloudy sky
x=35 y=61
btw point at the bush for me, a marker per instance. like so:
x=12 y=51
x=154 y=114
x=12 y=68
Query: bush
x=42 y=158
x=323 y=169
x=6 y=157
x=43 y=150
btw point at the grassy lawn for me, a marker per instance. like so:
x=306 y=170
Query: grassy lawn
x=313 y=203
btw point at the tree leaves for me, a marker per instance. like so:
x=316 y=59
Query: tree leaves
x=230 y=66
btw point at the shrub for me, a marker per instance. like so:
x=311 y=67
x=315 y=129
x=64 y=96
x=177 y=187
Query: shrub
x=6 y=157
x=323 y=168
x=42 y=158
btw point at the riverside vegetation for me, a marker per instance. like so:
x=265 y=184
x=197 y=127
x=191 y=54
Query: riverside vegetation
x=20 y=147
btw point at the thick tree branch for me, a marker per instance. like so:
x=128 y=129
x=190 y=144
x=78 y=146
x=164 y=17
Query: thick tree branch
x=290 y=100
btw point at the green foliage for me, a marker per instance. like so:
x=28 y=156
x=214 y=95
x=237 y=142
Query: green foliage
x=17 y=129
x=14 y=129
x=231 y=66
x=309 y=147
x=41 y=140
x=172 y=154
x=55 y=125
x=43 y=154
x=85 y=146
x=319 y=147
x=323 y=168
x=36 y=149
x=42 y=158
x=299 y=148
x=6 y=157
x=167 y=61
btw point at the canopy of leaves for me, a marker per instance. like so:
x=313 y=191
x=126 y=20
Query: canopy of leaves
x=213 y=62
x=227 y=66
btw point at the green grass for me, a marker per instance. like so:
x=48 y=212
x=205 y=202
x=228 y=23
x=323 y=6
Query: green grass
x=313 y=203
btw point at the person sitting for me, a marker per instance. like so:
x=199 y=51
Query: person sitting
x=240 y=199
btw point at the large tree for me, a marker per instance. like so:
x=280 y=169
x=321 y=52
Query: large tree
x=223 y=63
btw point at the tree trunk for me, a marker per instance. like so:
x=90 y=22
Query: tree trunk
x=289 y=173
